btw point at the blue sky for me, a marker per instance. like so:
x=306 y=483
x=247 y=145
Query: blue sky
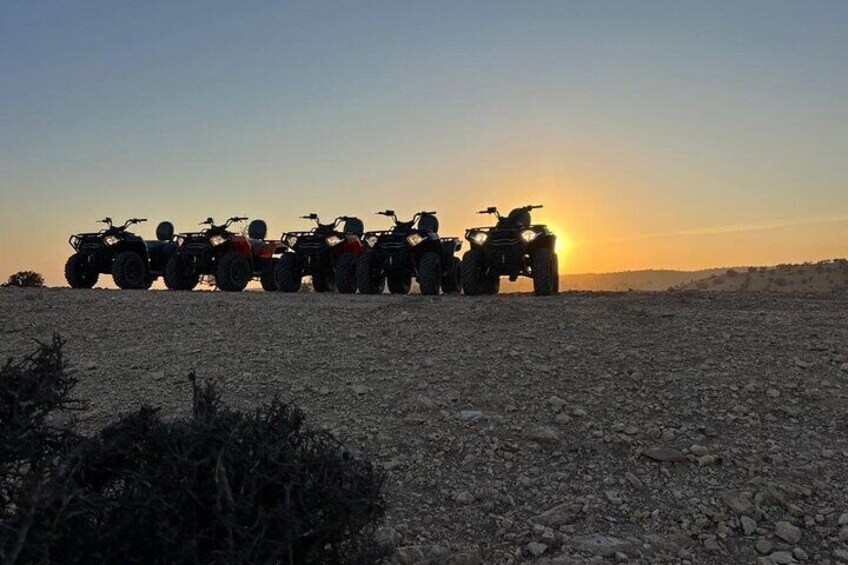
x=632 y=121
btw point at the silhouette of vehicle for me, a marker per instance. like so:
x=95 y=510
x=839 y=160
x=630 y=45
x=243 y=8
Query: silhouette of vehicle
x=325 y=253
x=514 y=247
x=230 y=258
x=409 y=249
x=133 y=262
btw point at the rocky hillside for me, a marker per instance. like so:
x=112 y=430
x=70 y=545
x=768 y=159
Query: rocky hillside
x=822 y=277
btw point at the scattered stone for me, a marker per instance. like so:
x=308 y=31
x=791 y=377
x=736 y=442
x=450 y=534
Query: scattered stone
x=559 y=515
x=470 y=415
x=773 y=393
x=464 y=497
x=413 y=554
x=843 y=519
x=739 y=502
x=544 y=434
x=599 y=544
x=782 y=558
x=664 y=454
x=698 y=450
x=536 y=549
x=841 y=554
x=749 y=525
x=787 y=532
x=799 y=554
x=361 y=390
x=764 y=545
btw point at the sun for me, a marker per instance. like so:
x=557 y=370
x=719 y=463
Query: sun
x=563 y=241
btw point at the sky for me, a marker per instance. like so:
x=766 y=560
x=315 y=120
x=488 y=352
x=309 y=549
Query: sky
x=674 y=134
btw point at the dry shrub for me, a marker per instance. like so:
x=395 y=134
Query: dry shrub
x=25 y=279
x=221 y=486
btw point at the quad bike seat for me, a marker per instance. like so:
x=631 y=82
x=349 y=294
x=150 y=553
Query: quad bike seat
x=354 y=226
x=520 y=218
x=428 y=223
x=257 y=229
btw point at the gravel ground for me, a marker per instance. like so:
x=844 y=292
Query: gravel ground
x=583 y=428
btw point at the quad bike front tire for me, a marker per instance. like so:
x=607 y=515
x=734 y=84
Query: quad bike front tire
x=474 y=280
x=452 y=279
x=129 y=271
x=544 y=266
x=367 y=282
x=430 y=273
x=178 y=276
x=77 y=275
x=345 y=268
x=233 y=272
x=287 y=274
x=267 y=279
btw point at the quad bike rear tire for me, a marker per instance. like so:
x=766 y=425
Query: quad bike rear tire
x=543 y=272
x=367 y=281
x=267 y=279
x=77 y=275
x=178 y=276
x=399 y=284
x=233 y=272
x=492 y=286
x=287 y=274
x=129 y=271
x=430 y=273
x=345 y=268
x=452 y=279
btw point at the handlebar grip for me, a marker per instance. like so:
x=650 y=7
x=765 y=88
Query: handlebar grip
x=141 y=220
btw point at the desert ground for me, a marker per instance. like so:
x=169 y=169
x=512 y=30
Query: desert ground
x=582 y=428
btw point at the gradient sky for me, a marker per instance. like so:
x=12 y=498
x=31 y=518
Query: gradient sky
x=657 y=134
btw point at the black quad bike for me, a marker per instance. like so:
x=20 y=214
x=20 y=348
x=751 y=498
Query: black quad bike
x=326 y=253
x=231 y=259
x=133 y=262
x=409 y=249
x=514 y=247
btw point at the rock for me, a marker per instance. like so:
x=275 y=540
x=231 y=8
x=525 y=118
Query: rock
x=841 y=554
x=387 y=538
x=578 y=411
x=557 y=403
x=464 y=497
x=782 y=558
x=843 y=519
x=844 y=367
x=787 y=532
x=633 y=480
x=711 y=545
x=698 y=450
x=802 y=364
x=664 y=454
x=470 y=415
x=621 y=557
x=361 y=389
x=843 y=534
x=599 y=544
x=749 y=526
x=739 y=502
x=799 y=554
x=544 y=434
x=412 y=554
x=559 y=515
x=764 y=546
x=536 y=549
x=773 y=393
x=709 y=459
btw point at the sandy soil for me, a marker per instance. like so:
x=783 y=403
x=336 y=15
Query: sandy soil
x=646 y=428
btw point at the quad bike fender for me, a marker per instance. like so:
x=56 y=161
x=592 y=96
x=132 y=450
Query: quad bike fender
x=352 y=245
x=135 y=246
x=545 y=241
x=237 y=244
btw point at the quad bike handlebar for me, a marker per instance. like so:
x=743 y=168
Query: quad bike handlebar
x=391 y=214
x=336 y=222
x=494 y=210
x=230 y=221
x=108 y=221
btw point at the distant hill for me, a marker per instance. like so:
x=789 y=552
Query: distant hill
x=822 y=277
x=647 y=280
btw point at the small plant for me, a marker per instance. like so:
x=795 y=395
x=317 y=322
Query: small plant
x=219 y=487
x=25 y=279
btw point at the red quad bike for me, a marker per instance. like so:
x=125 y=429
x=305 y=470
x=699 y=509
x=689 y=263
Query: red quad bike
x=326 y=253
x=409 y=249
x=230 y=258
x=133 y=262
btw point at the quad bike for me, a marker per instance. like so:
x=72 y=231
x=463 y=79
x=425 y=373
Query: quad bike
x=514 y=247
x=409 y=249
x=230 y=258
x=326 y=253
x=133 y=262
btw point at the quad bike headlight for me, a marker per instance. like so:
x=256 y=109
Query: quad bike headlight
x=414 y=239
x=217 y=240
x=111 y=239
x=333 y=240
x=291 y=240
x=479 y=237
x=528 y=235
x=371 y=240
